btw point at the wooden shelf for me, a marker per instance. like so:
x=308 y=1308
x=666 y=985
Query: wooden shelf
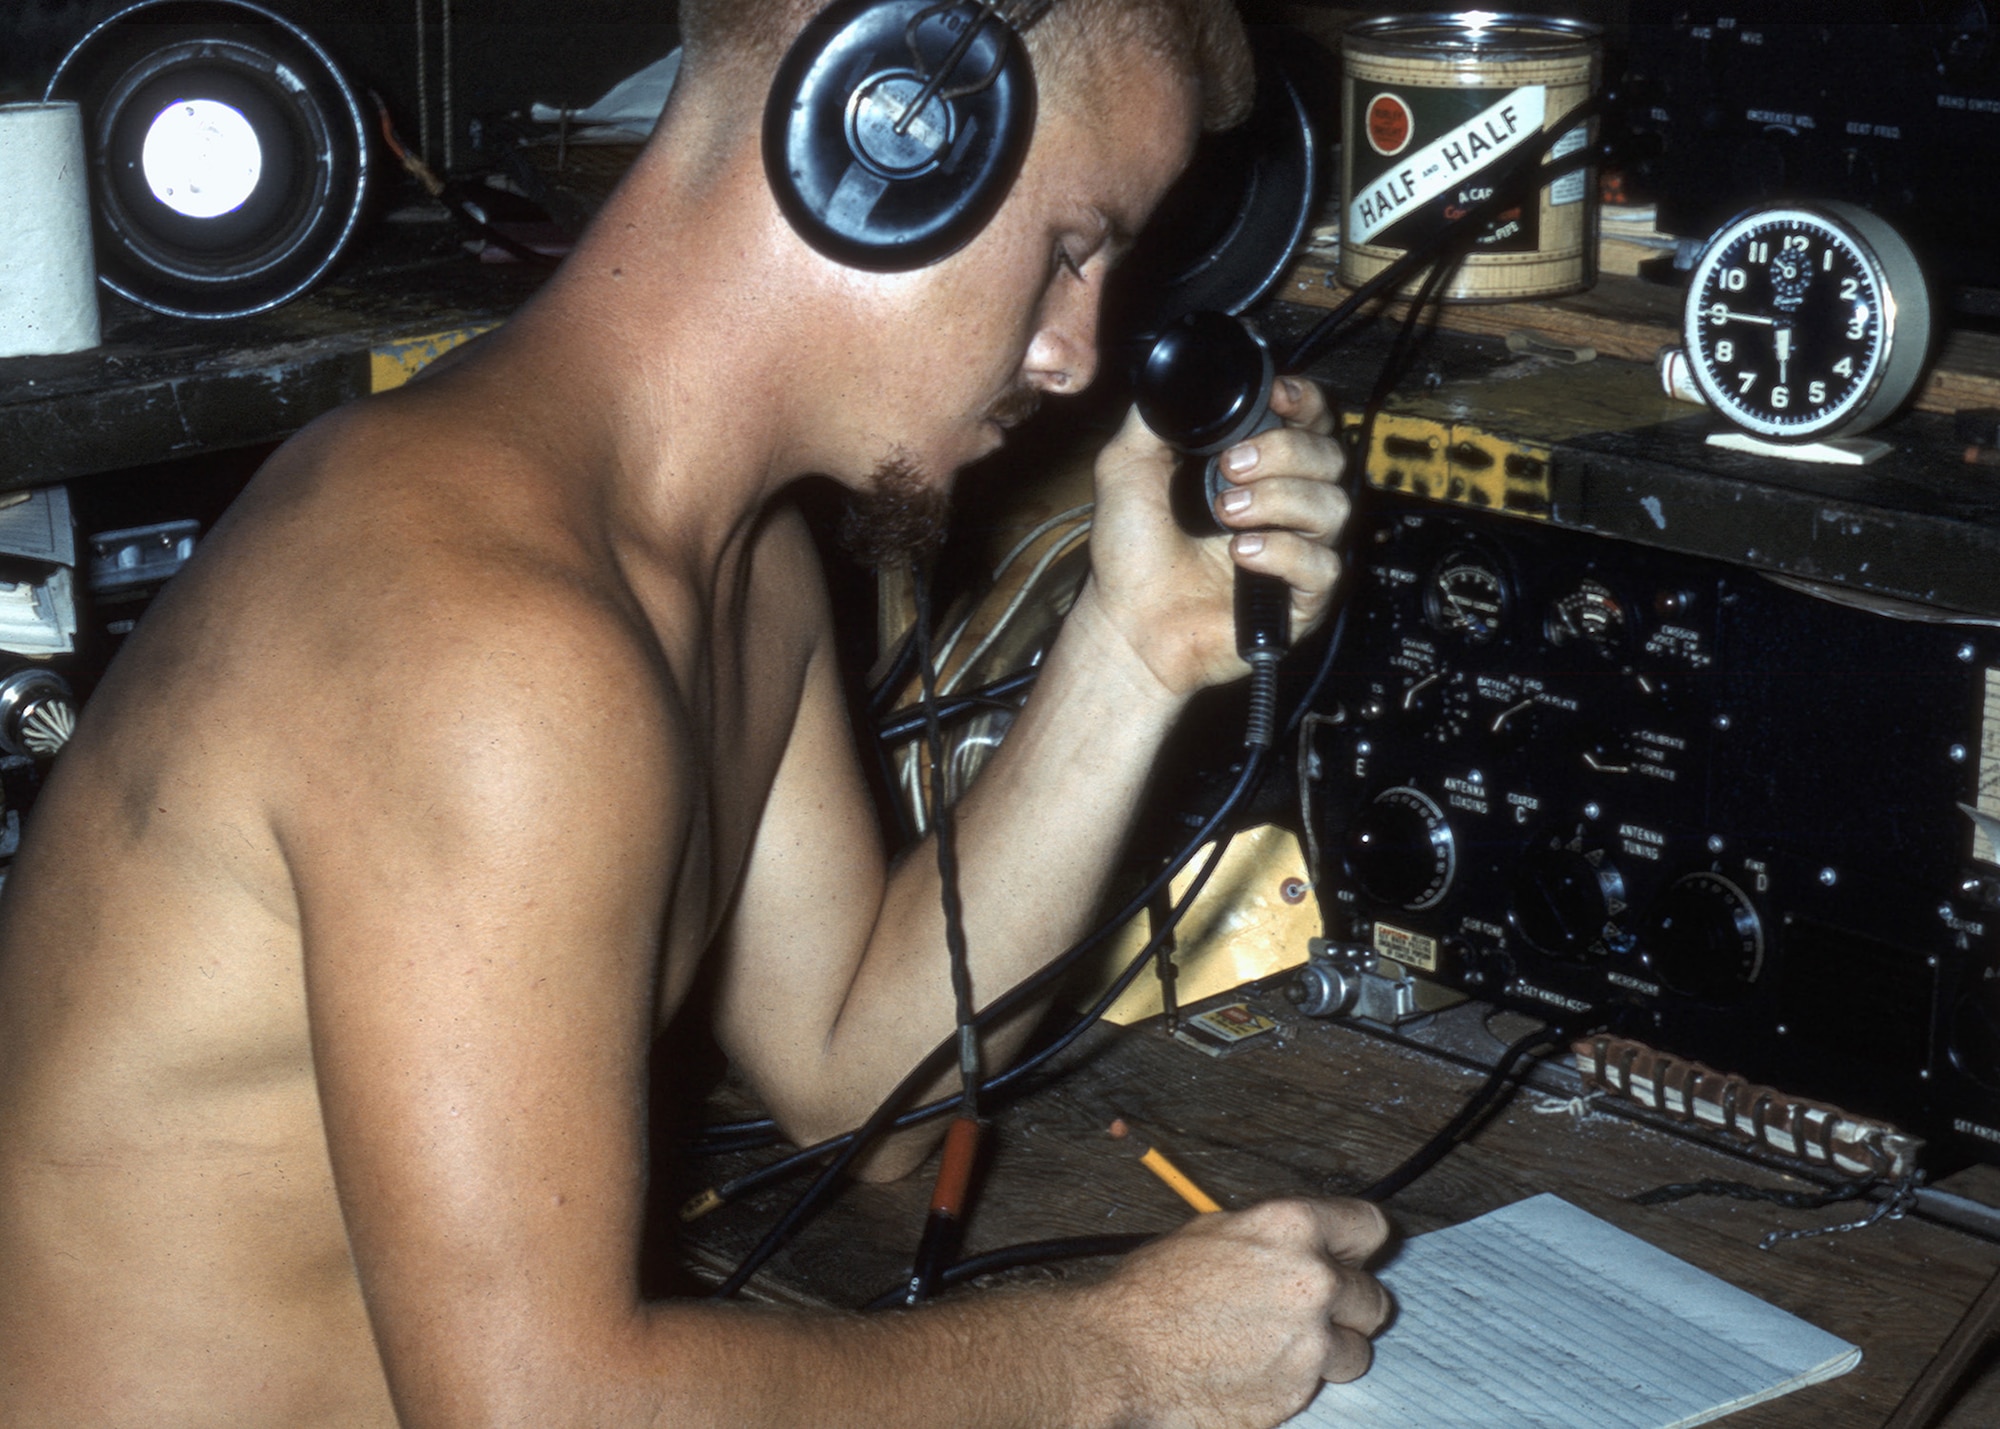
x=1628 y=317
x=160 y=388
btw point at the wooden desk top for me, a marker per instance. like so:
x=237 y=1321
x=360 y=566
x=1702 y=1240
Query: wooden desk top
x=1323 y=1108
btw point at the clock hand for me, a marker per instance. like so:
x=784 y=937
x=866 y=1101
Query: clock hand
x=1784 y=336
x=1735 y=316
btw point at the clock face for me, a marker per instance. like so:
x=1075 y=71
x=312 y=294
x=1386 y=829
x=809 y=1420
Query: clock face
x=1791 y=323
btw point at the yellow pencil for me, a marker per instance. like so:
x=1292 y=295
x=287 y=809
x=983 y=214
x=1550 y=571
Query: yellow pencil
x=1155 y=1161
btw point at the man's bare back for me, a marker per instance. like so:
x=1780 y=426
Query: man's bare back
x=164 y=1179
x=328 y=972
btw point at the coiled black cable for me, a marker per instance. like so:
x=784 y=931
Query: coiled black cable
x=843 y=1149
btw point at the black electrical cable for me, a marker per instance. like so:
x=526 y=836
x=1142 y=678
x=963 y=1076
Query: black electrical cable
x=1001 y=1081
x=894 y=677
x=944 y=1223
x=1013 y=1257
x=1498 y=1084
x=907 y=723
x=945 y=823
x=1045 y=1252
x=1776 y=1195
x=707 y=1143
x=1523 y=169
x=1022 y=993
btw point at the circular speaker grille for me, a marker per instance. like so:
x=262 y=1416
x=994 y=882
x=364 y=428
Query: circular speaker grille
x=228 y=155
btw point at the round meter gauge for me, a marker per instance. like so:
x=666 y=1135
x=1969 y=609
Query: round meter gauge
x=1806 y=321
x=1467 y=596
x=1590 y=618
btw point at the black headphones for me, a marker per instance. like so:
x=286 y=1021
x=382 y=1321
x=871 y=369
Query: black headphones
x=896 y=127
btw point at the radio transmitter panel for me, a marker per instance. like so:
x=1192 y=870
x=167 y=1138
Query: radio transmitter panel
x=1733 y=818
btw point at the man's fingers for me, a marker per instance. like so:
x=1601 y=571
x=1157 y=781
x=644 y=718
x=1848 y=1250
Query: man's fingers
x=1351 y=1231
x=1312 y=509
x=1360 y=1303
x=1308 y=567
x=1347 y=1357
x=1303 y=404
x=1284 y=452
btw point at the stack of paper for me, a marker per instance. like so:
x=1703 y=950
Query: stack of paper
x=1542 y=1316
x=38 y=617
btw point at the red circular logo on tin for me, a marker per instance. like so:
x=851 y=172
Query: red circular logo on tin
x=1388 y=124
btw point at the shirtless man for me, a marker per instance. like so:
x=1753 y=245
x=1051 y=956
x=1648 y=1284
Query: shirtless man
x=494 y=707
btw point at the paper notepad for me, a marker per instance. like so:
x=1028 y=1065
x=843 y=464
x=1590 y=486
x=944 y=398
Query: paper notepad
x=1542 y=1316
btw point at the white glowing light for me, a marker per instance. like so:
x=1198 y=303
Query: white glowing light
x=202 y=158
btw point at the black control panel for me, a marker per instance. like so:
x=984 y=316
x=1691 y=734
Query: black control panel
x=1890 y=104
x=1734 y=818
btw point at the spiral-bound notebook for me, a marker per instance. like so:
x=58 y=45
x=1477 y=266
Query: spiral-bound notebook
x=1542 y=1316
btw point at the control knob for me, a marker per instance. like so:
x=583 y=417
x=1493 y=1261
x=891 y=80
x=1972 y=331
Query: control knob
x=1702 y=938
x=1568 y=895
x=1400 y=849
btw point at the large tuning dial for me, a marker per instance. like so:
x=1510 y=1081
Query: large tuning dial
x=1703 y=938
x=1568 y=896
x=1400 y=849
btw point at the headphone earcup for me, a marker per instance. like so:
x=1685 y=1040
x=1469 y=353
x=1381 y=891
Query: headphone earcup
x=856 y=189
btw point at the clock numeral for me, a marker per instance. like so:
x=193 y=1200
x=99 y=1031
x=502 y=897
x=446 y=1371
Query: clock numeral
x=1816 y=393
x=1718 y=313
x=1735 y=279
x=1781 y=396
x=1725 y=351
x=1826 y=261
x=1850 y=289
x=1860 y=324
x=1745 y=381
x=1797 y=243
x=1760 y=252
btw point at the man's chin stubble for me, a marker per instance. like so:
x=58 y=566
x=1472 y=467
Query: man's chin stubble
x=900 y=517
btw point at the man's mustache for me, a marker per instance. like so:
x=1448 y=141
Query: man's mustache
x=1016 y=407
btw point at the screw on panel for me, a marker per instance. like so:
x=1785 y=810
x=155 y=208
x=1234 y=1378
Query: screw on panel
x=1591 y=811
x=1722 y=721
x=1715 y=843
x=1829 y=877
x=1967 y=653
x=1957 y=752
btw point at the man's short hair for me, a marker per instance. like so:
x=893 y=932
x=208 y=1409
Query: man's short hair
x=1203 y=39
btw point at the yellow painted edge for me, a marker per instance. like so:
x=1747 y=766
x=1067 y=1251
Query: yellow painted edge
x=1240 y=930
x=1429 y=456
x=394 y=363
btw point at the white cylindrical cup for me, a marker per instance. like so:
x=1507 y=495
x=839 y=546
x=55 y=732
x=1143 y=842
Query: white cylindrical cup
x=48 y=278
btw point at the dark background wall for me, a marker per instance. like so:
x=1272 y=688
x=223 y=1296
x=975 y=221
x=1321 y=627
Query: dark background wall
x=507 y=54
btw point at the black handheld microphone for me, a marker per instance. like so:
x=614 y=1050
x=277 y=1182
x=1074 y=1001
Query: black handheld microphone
x=1205 y=386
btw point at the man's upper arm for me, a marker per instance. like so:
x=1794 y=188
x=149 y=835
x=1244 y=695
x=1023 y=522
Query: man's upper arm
x=480 y=859
x=809 y=900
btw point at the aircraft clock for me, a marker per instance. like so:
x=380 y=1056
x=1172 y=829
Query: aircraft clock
x=1805 y=325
